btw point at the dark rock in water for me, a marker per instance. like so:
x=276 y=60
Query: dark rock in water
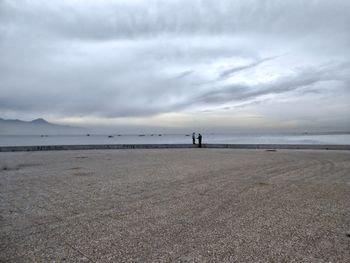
x=88 y=134
x=142 y=135
x=159 y=135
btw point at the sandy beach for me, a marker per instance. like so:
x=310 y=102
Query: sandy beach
x=175 y=205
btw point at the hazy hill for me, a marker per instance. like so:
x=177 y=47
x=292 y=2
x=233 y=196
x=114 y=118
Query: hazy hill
x=35 y=127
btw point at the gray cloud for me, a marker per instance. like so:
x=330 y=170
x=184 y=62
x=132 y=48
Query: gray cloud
x=303 y=79
x=107 y=20
x=229 y=72
x=141 y=58
x=184 y=74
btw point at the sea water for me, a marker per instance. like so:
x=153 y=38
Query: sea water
x=37 y=140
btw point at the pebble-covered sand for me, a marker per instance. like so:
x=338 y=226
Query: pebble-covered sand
x=175 y=205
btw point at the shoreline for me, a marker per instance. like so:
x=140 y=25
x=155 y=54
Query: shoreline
x=173 y=146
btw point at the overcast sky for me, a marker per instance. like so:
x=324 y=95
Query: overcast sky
x=209 y=65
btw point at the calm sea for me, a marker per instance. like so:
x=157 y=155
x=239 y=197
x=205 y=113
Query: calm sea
x=14 y=140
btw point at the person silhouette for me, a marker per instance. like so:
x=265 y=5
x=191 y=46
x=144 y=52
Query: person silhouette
x=194 y=138
x=199 y=140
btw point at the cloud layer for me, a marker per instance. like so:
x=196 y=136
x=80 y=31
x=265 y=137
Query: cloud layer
x=141 y=60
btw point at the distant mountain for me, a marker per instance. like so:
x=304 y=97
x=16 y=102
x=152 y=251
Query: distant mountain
x=40 y=121
x=36 y=127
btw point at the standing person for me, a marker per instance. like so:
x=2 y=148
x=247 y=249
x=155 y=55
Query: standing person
x=199 y=140
x=194 y=138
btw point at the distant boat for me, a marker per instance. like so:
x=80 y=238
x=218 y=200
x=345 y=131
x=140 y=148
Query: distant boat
x=159 y=135
x=110 y=136
x=142 y=135
x=187 y=135
x=88 y=134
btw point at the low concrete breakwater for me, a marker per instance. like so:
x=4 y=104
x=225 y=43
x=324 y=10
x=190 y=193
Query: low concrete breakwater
x=172 y=146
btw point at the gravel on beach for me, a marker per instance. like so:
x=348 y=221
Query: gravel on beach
x=175 y=205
